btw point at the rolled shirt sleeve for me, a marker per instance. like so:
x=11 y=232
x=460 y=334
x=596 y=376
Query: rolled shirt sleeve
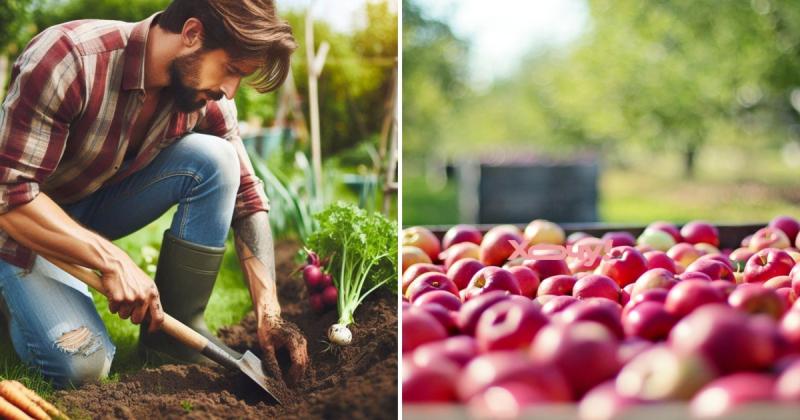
x=221 y=120
x=45 y=95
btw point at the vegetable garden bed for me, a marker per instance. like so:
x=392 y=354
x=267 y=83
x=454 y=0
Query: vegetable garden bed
x=358 y=381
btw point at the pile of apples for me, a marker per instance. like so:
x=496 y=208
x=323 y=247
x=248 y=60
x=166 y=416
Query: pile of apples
x=664 y=317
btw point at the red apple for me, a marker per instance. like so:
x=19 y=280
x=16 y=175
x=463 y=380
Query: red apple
x=420 y=327
x=462 y=271
x=557 y=304
x=557 y=285
x=508 y=325
x=769 y=237
x=567 y=346
x=547 y=268
x=459 y=251
x=688 y=295
x=527 y=279
x=766 y=264
x=511 y=366
x=659 y=259
x=432 y=383
x=596 y=285
x=714 y=269
x=632 y=347
x=650 y=295
x=657 y=278
x=661 y=374
x=444 y=298
x=543 y=299
x=623 y=264
x=576 y=236
x=429 y=282
x=787 y=295
x=707 y=249
x=788 y=386
x=620 y=238
x=587 y=254
x=700 y=232
x=496 y=246
x=724 y=286
x=722 y=396
x=757 y=299
x=723 y=335
x=544 y=232
x=667 y=227
x=656 y=240
x=604 y=402
x=789 y=225
x=694 y=275
x=417 y=270
x=443 y=315
x=790 y=328
x=625 y=294
x=506 y=400
x=471 y=311
x=459 y=349
x=746 y=241
x=795 y=276
x=423 y=239
x=648 y=320
x=461 y=233
x=602 y=311
x=739 y=256
x=684 y=254
x=722 y=258
x=413 y=255
x=489 y=279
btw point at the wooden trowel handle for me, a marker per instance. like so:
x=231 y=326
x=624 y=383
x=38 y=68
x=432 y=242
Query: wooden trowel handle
x=171 y=326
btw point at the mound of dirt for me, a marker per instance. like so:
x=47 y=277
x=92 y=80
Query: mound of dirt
x=358 y=381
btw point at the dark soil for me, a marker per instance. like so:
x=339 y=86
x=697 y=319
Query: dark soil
x=354 y=382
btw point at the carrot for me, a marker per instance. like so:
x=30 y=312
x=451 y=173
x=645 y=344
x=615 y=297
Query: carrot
x=19 y=399
x=41 y=402
x=11 y=412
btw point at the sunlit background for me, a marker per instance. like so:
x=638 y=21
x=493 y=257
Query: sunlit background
x=598 y=110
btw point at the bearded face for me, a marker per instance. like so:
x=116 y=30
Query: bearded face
x=184 y=83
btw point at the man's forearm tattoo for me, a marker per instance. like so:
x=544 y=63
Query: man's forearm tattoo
x=254 y=240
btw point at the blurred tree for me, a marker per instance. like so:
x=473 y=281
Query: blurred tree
x=434 y=81
x=668 y=75
x=15 y=25
x=15 y=16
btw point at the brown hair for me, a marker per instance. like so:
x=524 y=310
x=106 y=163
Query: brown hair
x=245 y=29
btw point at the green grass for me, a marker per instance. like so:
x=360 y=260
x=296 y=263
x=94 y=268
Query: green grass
x=423 y=205
x=731 y=185
x=229 y=302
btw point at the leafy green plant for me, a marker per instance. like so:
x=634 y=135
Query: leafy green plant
x=362 y=248
x=293 y=200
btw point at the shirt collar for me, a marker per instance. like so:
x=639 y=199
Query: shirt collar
x=133 y=75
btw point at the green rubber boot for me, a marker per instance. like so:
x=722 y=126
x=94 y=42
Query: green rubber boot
x=185 y=277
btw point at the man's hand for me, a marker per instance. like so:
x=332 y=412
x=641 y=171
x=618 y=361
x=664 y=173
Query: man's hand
x=274 y=334
x=130 y=291
x=256 y=255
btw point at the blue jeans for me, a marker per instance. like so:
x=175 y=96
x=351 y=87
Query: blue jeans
x=54 y=325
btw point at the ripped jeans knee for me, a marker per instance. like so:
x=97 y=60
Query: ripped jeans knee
x=82 y=356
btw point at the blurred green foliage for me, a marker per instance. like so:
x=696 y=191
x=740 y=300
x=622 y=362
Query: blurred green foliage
x=353 y=87
x=15 y=23
x=671 y=76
